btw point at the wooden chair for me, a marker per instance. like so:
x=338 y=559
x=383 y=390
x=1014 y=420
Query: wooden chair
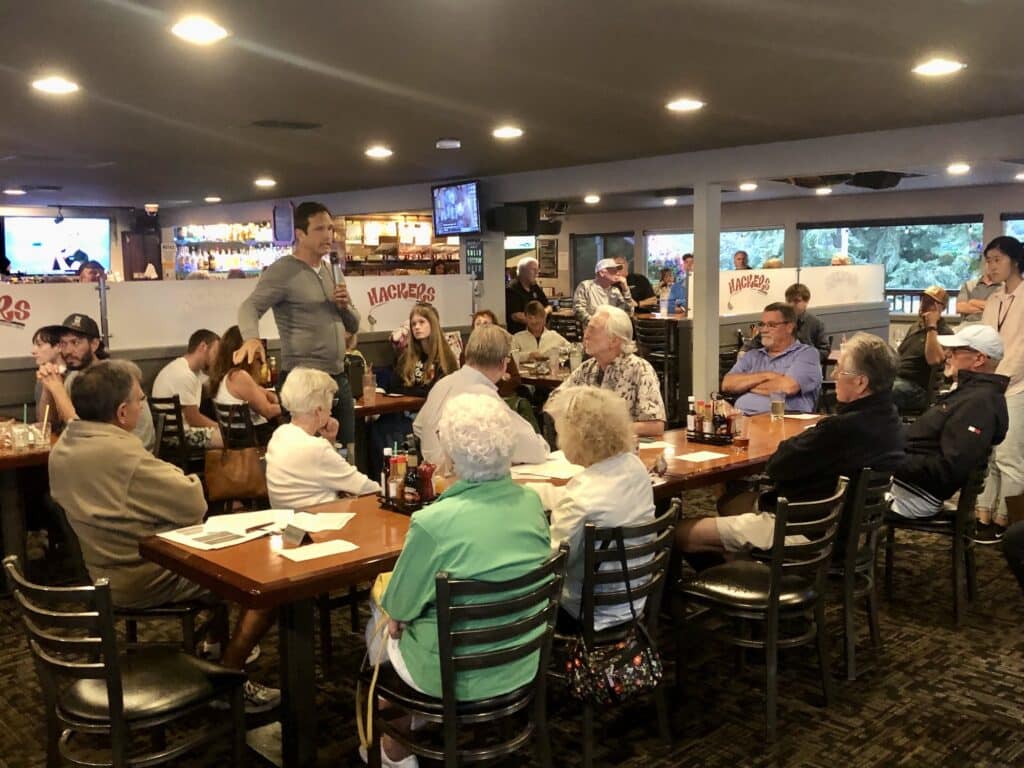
x=856 y=562
x=958 y=524
x=776 y=590
x=90 y=687
x=648 y=549
x=463 y=606
x=236 y=426
x=656 y=343
x=173 y=446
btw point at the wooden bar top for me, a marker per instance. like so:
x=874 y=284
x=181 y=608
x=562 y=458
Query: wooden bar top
x=389 y=404
x=254 y=576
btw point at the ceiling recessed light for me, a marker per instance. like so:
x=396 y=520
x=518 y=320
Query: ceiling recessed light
x=823 y=191
x=958 y=169
x=211 y=199
x=14 y=191
x=448 y=144
x=670 y=201
x=1019 y=176
x=684 y=105
x=507 y=132
x=939 y=67
x=199 y=30
x=592 y=199
x=748 y=186
x=378 y=152
x=265 y=182
x=55 y=84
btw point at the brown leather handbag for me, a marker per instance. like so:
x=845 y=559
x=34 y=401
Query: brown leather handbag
x=235 y=473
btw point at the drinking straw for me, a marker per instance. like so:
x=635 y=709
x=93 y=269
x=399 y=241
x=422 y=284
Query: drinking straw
x=24 y=413
x=46 y=417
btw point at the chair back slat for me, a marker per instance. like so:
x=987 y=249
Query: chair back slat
x=173 y=446
x=464 y=623
x=568 y=327
x=643 y=544
x=969 y=493
x=236 y=425
x=863 y=518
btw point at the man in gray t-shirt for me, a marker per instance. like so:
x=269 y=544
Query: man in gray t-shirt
x=312 y=311
x=970 y=302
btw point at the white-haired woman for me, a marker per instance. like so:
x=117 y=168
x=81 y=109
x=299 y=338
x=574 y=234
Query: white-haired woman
x=614 y=489
x=303 y=468
x=608 y=340
x=484 y=527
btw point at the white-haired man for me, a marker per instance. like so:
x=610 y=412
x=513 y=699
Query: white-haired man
x=521 y=292
x=487 y=354
x=608 y=287
x=608 y=339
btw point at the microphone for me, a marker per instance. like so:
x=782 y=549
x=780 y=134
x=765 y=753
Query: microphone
x=337 y=268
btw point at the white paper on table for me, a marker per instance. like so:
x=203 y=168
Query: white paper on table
x=655 y=444
x=322 y=549
x=197 y=537
x=701 y=456
x=241 y=522
x=322 y=521
x=803 y=416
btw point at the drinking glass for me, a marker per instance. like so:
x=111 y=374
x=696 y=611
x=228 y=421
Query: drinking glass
x=19 y=437
x=740 y=432
x=369 y=388
x=778 y=401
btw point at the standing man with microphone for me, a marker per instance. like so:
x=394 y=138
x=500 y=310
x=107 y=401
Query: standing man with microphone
x=312 y=310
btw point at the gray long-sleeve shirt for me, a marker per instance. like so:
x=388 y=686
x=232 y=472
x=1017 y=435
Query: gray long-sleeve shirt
x=312 y=327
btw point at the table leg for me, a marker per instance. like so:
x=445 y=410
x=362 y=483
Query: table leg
x=298 y=684
x=12 y=515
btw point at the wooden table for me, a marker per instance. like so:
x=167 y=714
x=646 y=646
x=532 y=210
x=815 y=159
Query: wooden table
x=12 y=512
x=765 y=436
x=547 y=381
x=254 y=576
x=389 y=404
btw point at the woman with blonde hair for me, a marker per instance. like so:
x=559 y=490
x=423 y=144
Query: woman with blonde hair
x=614 y=489
x=427 y=357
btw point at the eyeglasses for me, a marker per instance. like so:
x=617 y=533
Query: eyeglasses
x=772 y=324
x=840 y=372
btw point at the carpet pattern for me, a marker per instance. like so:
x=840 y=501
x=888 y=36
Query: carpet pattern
x=933 y=697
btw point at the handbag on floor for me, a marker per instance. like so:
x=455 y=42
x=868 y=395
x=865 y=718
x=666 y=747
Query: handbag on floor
x=235 y=473
x=613 y=673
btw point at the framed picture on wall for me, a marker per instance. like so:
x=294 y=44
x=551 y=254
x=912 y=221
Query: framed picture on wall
x=547 y=256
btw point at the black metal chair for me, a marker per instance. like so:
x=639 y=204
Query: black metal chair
x=173 y=446
x=90 y=687
x=785 y=586
x=958 y=524
x=648 y=549
x=236 y=426
x=656 y=343
x=462 y=606
x=855 y=561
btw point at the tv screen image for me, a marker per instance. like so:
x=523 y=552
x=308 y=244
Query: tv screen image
x=35 y=245
x=456 y=209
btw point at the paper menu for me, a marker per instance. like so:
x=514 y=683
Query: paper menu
x=323 y=521
x=314 y=551
x=698 y=456
x=242 y=522
x=557 y=467
x=197 y=537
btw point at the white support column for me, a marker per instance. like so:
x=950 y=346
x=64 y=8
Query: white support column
x=791 y=247
x=707 y=215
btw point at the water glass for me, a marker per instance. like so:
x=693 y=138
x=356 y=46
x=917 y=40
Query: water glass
x=369 y=388
x=19 y=437
x=778 y=401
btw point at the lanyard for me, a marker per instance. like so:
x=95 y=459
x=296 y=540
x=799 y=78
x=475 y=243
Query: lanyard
x=1001 y=316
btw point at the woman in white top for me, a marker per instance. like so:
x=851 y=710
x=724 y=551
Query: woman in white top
x=303 y=468
x=614 y=489
x=1004 y=311
x=537 y=340
x=233 y=384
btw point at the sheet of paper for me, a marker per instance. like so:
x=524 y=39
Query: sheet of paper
x=313 y=551
x=241 y=522
x=557 y=467
x=802 y=416
x=323 y=521
x=701 y=456
x=656 y=444
x=198 y=537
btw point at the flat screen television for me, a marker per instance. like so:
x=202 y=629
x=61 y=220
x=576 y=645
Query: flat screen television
x=456 y=208
x=36 y=245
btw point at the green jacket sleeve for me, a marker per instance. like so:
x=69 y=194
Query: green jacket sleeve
x=411 y=589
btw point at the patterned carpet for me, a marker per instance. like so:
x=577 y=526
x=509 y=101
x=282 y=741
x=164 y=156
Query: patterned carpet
x=934 y=697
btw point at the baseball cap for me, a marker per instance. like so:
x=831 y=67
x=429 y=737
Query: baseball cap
x=605 y=264
x=981 y=338
x=83 y=324
x=938 y=293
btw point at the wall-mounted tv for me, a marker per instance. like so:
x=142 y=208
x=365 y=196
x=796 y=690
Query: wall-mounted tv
x=456 y=208
x=37 y=245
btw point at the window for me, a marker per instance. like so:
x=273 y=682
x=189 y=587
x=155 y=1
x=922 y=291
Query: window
x=916 y=253
x=1013 y=225
x=666 y=249
x=587 y=250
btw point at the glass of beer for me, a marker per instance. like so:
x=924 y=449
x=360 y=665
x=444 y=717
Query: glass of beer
x=778 y=401
x=740 y=432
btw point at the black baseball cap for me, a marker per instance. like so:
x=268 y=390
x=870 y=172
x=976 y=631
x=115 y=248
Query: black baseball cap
x=82 y=325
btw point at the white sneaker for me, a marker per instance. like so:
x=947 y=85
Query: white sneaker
x=259 y=698
x=408 y=762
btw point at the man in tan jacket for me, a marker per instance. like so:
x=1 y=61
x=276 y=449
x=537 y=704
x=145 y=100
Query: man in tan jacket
x=115 y=493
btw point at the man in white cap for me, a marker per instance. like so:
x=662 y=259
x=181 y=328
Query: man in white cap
x=954 y=437
x=920 y=352
x=608 y=287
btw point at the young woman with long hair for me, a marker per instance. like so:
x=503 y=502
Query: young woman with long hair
x=426 y=357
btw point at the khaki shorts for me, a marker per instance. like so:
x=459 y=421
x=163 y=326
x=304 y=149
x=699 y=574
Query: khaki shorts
x=751 y=530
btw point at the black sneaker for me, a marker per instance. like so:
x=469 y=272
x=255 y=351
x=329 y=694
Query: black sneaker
x=989 y=533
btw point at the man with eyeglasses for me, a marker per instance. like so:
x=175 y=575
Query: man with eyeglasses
x=954 y=436
x=781 y=364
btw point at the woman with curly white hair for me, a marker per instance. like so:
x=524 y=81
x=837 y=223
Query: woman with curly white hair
x=303 y=468
x=614 y=489
x=483 y=527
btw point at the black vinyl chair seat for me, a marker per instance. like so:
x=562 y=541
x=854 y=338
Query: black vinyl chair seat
x=156 y=681
x=396 y=690
x=747 y=584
